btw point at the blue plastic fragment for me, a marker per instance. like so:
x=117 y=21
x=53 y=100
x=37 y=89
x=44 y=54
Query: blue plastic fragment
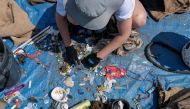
x=80 y=92
x=151 y=90
x=142 y=89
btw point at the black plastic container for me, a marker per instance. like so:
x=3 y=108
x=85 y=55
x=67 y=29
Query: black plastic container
x=10 y=71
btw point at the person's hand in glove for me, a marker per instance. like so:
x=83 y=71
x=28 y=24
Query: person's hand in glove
x=71 y=55
x=90 y=61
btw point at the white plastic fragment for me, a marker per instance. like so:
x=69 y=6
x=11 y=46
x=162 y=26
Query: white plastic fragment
x=13 y=107
x=67 y=91
x=29 y=84
x=35 y=106
x=88 y=48
x=108 y=84
x=59 y=94
x=69 y=82
x=46 y=99
x=82 y=84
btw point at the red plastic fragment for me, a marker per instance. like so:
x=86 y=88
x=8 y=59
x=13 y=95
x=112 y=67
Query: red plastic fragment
x=114 y=72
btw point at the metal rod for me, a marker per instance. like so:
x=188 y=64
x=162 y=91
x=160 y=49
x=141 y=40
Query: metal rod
x=31 y=39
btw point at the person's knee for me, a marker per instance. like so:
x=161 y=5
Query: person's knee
x=140 y=20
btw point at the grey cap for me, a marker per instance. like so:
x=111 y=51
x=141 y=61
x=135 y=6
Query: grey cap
x=92 y=14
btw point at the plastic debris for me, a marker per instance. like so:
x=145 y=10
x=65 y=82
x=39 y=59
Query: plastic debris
x=46 y=99
x=88 y=89
x=97 y=68
x=21 y=59
x=89 y=78
x=33 y=99
x=69 y=82
x=13 y=107
x=14 y=90
x=59 y=105
x=146 y=96
x=67 y=91
x=151 y=90
x=59 y=58
x=65 y=106
x=100 y=97
x=119 y=88
x=87 y=50
x=101 y=88
x=31 y=106
x=82 y=105
x=80 y=91
x=115 y=72
x=136 y=102
x=142 y=89
x=108 y=84
x=82 y=84
x=83 y=50
x=29 y=84
x=21 y=97
x=8 y=98
x=65 y=69
x=59 y=94
x=102 y=72
x=17 y=103
x=34 y=56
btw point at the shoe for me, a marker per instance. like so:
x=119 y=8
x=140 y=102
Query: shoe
x=134 y=42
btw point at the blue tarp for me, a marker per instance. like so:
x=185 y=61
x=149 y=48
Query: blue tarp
x=141 y=73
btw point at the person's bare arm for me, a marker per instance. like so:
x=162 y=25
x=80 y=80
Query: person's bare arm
x=124 y=28
x=62 y=25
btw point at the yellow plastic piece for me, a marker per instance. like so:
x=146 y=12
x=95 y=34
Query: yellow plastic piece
x=82 y=105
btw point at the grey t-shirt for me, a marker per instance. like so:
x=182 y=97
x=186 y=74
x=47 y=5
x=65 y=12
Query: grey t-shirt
x=123 y=13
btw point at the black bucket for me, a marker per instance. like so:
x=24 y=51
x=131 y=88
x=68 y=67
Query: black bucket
x=10 y=70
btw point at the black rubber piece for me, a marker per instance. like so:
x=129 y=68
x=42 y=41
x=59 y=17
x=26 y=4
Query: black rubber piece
x=10 y=71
